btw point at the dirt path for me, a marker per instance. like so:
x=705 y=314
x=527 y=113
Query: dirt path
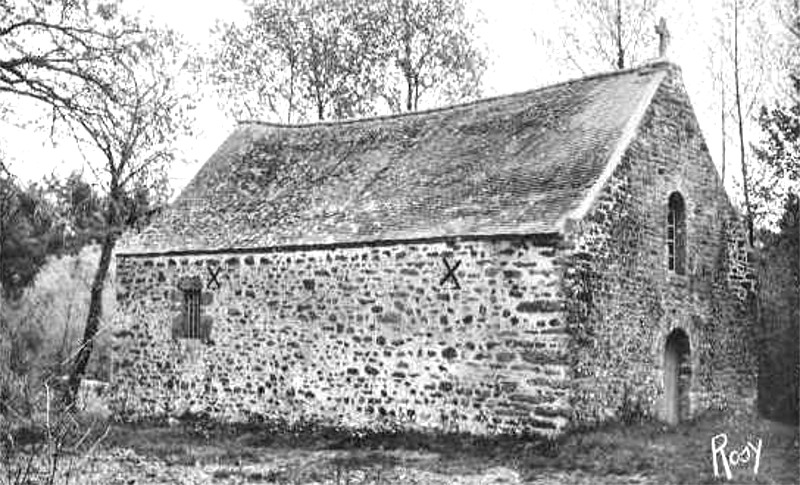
x=125 y=467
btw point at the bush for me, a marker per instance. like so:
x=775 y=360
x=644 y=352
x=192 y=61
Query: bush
x=631 y=411
x=48 y=443
x=41 y=332
x=779 y=305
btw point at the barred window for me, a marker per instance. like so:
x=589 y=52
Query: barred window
x=676 y=234
x=191 y=309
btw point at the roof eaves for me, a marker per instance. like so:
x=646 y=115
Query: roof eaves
x=539 y=238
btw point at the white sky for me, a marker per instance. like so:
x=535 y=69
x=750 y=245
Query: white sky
x=516 y=63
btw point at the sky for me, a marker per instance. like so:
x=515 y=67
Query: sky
x=510 y=30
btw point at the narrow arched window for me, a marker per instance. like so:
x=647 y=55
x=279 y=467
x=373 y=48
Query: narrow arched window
x=676 y=234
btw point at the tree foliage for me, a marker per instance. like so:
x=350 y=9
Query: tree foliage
x=53 y=217
x=309 y=59
x=780 y=148
x=52 y=51
x=109 y=83
x=295 y=60
x=778 y=152
x=26 y=235
x=41 y=331
x=778 y=155
x=133 y=131
x=779 y=275
x=779 y=281
x=429 y=49
x=743 y=59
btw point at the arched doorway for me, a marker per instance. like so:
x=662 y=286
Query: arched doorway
x=677 y=376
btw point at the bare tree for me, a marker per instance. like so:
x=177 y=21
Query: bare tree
x=257 y=68
x=108 y=83
x=745 y=55
x=722 y=127
x=310 y=59
x=605 y=33
x=300 y=59
x=132 y=132
x=340 y=60
x=788 y=13
x=431 y=45
x=717 y=65
x=50 y=51
x=740 y=123
x=53 y=52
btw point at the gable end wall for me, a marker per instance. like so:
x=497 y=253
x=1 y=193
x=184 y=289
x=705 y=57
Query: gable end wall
x=623 y=302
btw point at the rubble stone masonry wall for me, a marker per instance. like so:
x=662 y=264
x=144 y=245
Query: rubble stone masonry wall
x=623 y=301
x=370 y=337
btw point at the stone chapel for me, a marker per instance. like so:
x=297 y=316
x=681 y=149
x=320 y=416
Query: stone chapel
x=518 y=264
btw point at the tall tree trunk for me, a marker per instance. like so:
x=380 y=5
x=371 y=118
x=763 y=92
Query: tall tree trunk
x=410 y=96
x=291 y=92
x=722 y=123
x=2 y=265
x=113 y=216
x=406 y=63
x=745 y=184
x=2 y=233
x=7 y=215
x=416 y=93
x=2 y=261
x=93 y=319
x=318 y=97
x=620 y=50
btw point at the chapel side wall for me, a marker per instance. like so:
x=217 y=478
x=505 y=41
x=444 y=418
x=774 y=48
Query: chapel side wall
x=623 y=302
x=365 y=337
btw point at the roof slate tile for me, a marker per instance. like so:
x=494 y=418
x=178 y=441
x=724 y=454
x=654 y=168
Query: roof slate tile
x=513 y=164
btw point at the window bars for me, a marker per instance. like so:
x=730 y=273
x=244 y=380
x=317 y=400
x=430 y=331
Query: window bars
x=191 y=308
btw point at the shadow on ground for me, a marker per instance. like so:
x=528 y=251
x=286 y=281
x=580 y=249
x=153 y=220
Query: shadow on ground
x=200 y=452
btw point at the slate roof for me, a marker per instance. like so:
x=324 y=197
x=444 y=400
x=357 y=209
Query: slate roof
x=515 y=164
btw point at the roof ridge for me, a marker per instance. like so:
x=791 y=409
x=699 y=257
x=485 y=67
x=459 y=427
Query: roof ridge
x=648 y=67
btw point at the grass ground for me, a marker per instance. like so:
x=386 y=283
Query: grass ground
x=644 y=453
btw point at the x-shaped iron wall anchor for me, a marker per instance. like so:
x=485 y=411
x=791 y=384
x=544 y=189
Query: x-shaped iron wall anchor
x=213 y=279
x=451 y=273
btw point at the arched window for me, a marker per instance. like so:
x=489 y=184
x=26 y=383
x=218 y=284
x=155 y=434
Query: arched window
x=676 y=234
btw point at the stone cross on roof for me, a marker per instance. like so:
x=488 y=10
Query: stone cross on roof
x=663 y=37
